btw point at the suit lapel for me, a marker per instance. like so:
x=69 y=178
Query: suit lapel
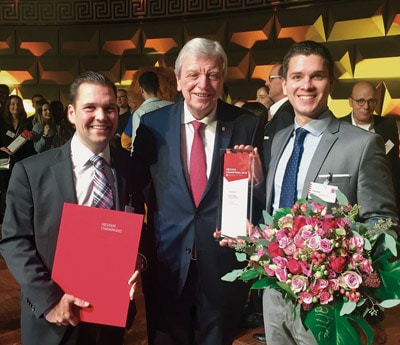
x=328 y=139
x=63 y=167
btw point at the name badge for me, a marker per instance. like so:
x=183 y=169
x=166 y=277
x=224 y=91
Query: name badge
x=325 y=192
x=10 y=134
x=388 y=146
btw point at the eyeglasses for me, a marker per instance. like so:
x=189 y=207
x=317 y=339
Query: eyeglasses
x=272 y=77
x=371 y=102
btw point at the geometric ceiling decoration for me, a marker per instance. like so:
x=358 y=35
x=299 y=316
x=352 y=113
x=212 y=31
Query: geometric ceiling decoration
x=110 y=66
x=315 y=31
x=60 y=71
x=246 y=33
x=37 y=42
x=130 y=65
x=82 y=42
x=6 y=41
x=161 y=38
x=261 y=72
x=378 y=68
x=241 y=70
x=213 y=30
x=394 y=28
x=345 y=67
x=36 y=48
x=390 y=105
x=160 y=45
x=358 y=28
x=19 y=70
x=121 y=42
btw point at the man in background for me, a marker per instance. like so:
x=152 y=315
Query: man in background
x=362 y=101
x=125 y=114
x=281 y=112
x=149 y=85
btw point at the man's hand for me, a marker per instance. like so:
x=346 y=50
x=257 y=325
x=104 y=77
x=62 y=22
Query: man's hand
x=133 y=281
x=255 y=170
x=66 y=311
x=229 y=241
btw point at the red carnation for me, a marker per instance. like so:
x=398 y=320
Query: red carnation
x=294 y=266
x=274 y=250
x=338 y=263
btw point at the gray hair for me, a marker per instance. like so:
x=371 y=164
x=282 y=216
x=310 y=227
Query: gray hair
x=202 y=47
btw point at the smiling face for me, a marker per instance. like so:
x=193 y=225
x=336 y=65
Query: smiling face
x=95 y=115
x=308 y=86
x=201 y=83
x=46 y=112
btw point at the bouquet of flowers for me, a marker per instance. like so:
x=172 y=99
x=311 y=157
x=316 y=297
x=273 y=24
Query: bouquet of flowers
x=337 y=269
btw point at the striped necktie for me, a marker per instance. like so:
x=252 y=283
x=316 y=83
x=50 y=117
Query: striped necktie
x=102 y=192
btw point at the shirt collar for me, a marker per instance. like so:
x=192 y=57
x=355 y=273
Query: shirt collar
x=274 y=107
x=207 y=120
x=317 y=126
x=367 y=126
x=80 y=154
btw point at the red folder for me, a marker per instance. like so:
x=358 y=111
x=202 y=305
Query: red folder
x=95 y=257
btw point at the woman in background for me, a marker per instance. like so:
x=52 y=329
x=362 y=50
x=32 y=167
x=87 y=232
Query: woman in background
x=44 y=128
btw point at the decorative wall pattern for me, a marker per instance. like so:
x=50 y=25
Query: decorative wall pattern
x=44 y=44
x=60 y=12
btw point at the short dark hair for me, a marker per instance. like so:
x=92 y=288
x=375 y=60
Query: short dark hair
x=91 y=78
x=148 y=81
x=308 y=48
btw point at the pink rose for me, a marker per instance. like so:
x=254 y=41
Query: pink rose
x=314 y=241
x=281 y=274
x=306 y=297
x=298 y=241
x=290 y=249
x=366 y=266
x=298 y=284
x=321 y=284
x=325 y=297
x=356 y=243
x=350 y=279
x=325 y=245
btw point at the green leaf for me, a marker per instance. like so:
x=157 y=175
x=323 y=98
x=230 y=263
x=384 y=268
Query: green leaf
x=249 y=275
x=347 y=308
x=389 y=303
x=232 y=276
x=318 y=200
x=268 y=219
x=329 y=328
x=391 y=244
x=241 y=257
x=341 y=198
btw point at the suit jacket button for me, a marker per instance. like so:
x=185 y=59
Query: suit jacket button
x=188 y=250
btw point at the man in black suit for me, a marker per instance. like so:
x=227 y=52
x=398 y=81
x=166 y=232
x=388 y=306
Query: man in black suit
x=190 y=304
x=39 y=187
x=281 y=112
x=362 y=101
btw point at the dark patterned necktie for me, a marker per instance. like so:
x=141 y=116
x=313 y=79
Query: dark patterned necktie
x=102 y=192
x=289 y=184
x=198 y=174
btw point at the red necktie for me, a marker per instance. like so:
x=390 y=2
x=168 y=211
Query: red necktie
x=198 y=174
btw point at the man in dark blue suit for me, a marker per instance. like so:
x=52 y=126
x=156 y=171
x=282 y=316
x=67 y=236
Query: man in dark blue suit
x=187 y=302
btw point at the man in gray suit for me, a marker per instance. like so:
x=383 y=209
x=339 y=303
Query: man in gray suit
x=334 y=152
x=39 y=187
